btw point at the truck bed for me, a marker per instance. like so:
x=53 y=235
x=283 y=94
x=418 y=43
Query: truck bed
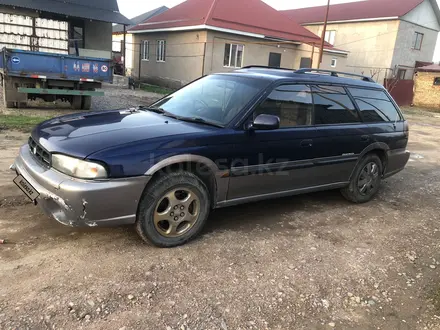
x=23 y=63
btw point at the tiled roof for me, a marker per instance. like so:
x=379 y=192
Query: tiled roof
x=369 y=9
x=430 y=68
x=250 y=16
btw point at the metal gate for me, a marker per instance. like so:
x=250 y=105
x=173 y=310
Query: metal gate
x=401 y=90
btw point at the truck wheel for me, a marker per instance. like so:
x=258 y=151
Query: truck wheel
x=22 y=105
x=173 y=209
x=8 y=104
x=76 y=102
x=86 y=102
x=366 y=179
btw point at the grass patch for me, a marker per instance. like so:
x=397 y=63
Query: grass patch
x=20 y=122
x=156 y=89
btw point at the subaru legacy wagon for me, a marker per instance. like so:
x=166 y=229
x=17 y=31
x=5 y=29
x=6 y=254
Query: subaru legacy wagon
x=225 y=139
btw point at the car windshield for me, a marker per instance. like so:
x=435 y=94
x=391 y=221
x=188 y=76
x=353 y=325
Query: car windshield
x=215 y=99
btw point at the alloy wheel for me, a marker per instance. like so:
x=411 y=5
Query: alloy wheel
x=176 y=212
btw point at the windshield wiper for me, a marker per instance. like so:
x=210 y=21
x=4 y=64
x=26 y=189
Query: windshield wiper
x=159 y=110
x=200 y=120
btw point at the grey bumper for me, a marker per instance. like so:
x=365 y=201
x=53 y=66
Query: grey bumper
x=397 y=160
x=75 y=202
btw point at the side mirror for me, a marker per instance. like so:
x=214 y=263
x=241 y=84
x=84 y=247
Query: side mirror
x=265 y=122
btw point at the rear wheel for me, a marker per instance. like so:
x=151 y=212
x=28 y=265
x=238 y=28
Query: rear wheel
x=86 y=102
x=7 y=104
x=366 y=180
x=173 y=209
x=77 y=102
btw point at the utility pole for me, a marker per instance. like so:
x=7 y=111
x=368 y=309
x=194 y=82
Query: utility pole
x=321 y=50
x=124 y=47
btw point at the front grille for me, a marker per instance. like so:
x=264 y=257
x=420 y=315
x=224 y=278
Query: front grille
x=41 y=154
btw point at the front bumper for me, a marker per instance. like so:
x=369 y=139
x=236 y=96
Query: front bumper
x=76 y=202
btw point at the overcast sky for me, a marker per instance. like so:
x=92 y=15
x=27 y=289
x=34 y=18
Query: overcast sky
x=132 y=8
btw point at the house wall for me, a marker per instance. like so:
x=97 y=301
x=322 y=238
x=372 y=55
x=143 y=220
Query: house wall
x=305 y=50
x=423 y=15
x=189 y=55
x=404 y=56
x=256 y=52
x=426 y=94
x=184 y=58
x=370 y=45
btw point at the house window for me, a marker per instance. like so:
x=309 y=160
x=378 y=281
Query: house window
x=161 y=50
x=417 y=41
x=233 y=55
x=146 y=50
x=401 y=74
x=330 y=37
x=437 y=81
x=334 y=62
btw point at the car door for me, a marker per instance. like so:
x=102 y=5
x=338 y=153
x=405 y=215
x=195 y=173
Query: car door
x=385 y=123
x=342 y=135
x=279 y=160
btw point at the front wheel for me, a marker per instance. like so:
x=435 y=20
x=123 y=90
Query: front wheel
x=173 y=209
x=366 y=180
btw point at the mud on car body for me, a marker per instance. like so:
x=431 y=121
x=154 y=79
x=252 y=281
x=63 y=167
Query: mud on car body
x=222 y=140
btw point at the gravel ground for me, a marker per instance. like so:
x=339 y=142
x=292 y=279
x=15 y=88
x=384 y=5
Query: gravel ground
x=306 y=262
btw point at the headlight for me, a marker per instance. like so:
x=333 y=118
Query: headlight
x=78 y=168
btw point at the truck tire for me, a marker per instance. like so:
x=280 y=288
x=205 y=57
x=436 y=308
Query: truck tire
x=77 y=102
x=86 y=102
x=8 y=104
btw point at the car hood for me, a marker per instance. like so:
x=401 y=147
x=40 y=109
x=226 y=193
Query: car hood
x=80 y=135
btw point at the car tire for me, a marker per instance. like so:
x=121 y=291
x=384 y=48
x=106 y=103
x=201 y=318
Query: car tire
x=166 y=216
x=365 y=181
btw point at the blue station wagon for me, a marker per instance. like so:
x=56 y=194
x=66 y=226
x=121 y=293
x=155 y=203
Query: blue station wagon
x=225 y=139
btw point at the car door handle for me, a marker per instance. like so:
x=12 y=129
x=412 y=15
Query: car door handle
x=306 y=143
x=365 y=138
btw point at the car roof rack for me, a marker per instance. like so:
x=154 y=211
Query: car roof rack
x=334 y=73
x=265 y=67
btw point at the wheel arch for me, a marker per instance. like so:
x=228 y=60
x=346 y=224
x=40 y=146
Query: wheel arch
x=201 y=166
x=379 y=148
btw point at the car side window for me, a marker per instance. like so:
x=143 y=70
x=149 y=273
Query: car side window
x=291 y=103
x=375 y=105
x=333 y=106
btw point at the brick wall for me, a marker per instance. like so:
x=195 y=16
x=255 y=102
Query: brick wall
x=426 y=94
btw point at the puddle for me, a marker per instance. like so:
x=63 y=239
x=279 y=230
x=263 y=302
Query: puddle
x=417 y=156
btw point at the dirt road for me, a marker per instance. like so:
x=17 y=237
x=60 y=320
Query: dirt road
x=306 y=262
